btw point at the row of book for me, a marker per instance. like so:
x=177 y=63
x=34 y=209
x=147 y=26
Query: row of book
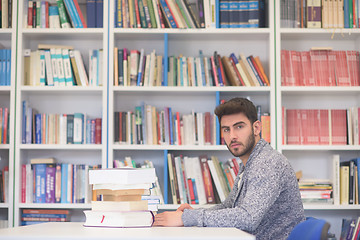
x=65 y=14
x=4 y=125
x=5 y=67
x=4 y=185
x=148 y=125
x=36 y=216
x=136 y=68
x=321 y=126
x=56 y=65
x=6 y=14
x=349 y=182
x=243 y=14
x=43 y=128
x=320 y=68
x=200 y=180
x=45 y=181
x=319 y=14
x=350 y=228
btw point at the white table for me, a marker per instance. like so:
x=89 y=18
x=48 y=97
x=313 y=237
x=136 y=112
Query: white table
x=76 y=231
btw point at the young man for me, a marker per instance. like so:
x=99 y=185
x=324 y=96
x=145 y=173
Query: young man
x=265 y=200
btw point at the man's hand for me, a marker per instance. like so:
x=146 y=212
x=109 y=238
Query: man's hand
x=169 y=219
x=184 y=206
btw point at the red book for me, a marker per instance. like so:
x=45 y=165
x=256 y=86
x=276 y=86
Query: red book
x=305 y=126
x=229 y=177
x=80 y=13
x=338 y=127
x=323 y=125
x=98 y=131
x=5 y=125
x=236 y=166
x=258 y=70
x=295 y=69
x=209 y=191
x=237 y=71
x=30 y=15
x=293 y=126
x=207 y=128
x=178 y=127
x=319 y=60
x=353 y=66
x=23 y=183
x=137 y=14
x=191 y=191
x=307 y=71
x=341 y=68
x=284 y=69
x=332 y=71
x=47 y=14
x=265 y=121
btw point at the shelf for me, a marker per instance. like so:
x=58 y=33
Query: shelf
x=4 y=146
x=52 y=89
x=170 y=147
x=319 y=89
x=320 y=33
x=191 y=89
x=61 y=146
x=186 y=31
x=5 y=89
x=56 y=205
x=4 y=205
x=320 y=147
x=330 y=207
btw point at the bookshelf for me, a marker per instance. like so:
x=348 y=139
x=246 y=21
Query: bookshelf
x=89 y=100
x=315 y=160
x=8 y=38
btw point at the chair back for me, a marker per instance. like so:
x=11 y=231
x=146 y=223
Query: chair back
x=310 y=229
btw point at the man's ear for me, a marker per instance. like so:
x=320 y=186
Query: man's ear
x=257 y=126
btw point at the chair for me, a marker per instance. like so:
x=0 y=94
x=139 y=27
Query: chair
x=310 y=229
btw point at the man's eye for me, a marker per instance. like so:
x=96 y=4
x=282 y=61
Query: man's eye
x=239 y=126
x=225 y=130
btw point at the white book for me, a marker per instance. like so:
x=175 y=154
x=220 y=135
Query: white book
x=125 y=68
x=216 y=180
x=55 y=67
x=147 y=70
x=195 y=162
x=180 y=179
x=91 y=68
x=335 y=176
x=141 y=62
x=156 y=13
x=49 y=71
x=249 y=69
x=69 y=81
x=128 y=127
x=62 y=129
x=122 y=175
x=207 y=13
x=198 y=71
x=78 y=128
x=200 y=126
x=101 y=66
x=29 y=184
x=184 y=71
x=81 y=67
x=5 y=14
x=212 y=14
x=152 y=68
x=192 y=71
x=350 y=125
x=60 y=66
x=42 y=68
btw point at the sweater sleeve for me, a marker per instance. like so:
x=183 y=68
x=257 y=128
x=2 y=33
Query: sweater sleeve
x=262 y=187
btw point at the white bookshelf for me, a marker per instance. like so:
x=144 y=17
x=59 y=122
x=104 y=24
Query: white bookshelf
x=314 y=160
x=8 y=38
x=91 y=101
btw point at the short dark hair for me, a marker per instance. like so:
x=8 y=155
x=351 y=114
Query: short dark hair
x=237 y=105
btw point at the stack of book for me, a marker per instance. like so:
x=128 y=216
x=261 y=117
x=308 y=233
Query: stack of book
x=36 y=216
x=120 y=203
x=316 y=190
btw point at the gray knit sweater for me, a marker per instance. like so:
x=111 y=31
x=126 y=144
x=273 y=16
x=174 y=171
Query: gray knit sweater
x=266 y=203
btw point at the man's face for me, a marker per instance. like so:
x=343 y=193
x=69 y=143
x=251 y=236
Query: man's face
x=238 y=134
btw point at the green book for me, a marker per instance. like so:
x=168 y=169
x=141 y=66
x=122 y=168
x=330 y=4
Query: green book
x=152 y=14
x=64 y=20
x=142 y=14
x=38 y=14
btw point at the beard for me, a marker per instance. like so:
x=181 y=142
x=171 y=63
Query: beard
x=248 y=146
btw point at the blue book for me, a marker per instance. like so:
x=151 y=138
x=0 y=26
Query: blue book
x=91 y=13
x=38 y=128
x=64 y=182
x=253 y=13
x=23 y=132
x=224 y=13
x=141 y=67
x=69 y=79
x=243 y=8
x=346 y=15
x=70 y=129
x=99 y=13
x=88 y=131
x=70 y=8
x=40 y=182
x=195 y=191
x=43 y=215
x=168 y=14
x=3 y=67
x=42 y=68
x=234 y=14
x=171 y=126
x=143 y=122
x=2 y=80
x=8 y=67
x=201 y=55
